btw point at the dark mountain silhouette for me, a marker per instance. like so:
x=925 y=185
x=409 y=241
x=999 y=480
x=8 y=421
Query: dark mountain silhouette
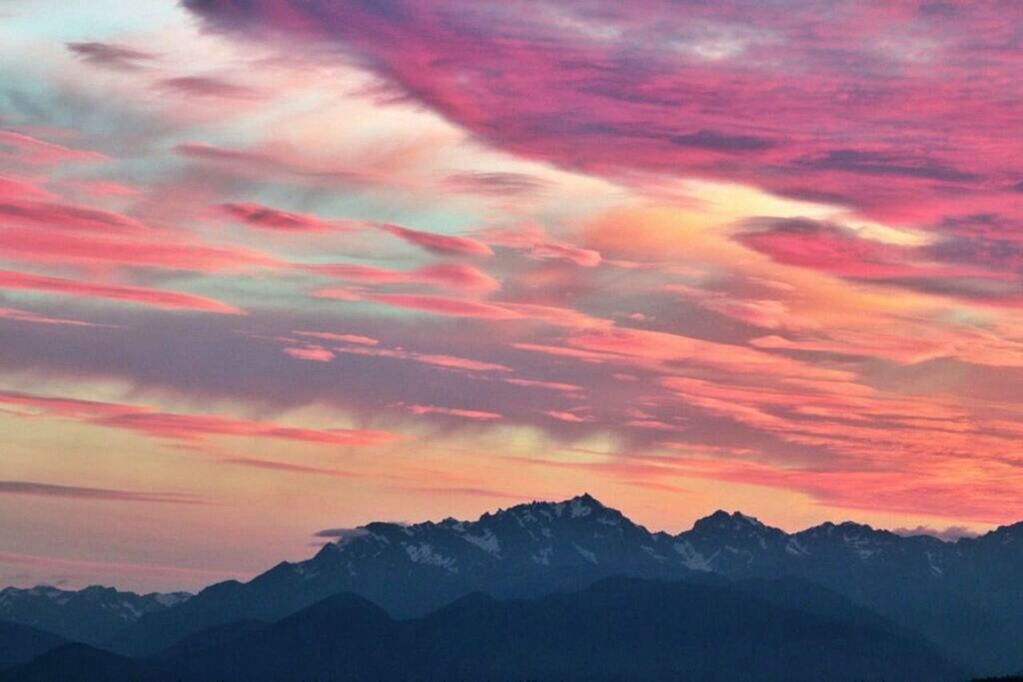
x=21 y=643
x=76 y=661
x=91 y=615
x=616 y=629
x=965 y=596
x=962 y=596
x=524 y=551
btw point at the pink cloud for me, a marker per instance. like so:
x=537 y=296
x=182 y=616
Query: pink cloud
x=455 y=276
x=268 y=218
x=271 y=465
x=454 y=412
x=29 y=316
x=437 y=360
x=538 y=383
x=36 y=489
x=185 y=427
x=17 y=189
x=440 y=305
x=314 y=353
x=158 y=298
x=439 y=243
x=743 y=91
x=538 y=244
x=160 y=250
x=111 y=55
x=33 y=151
x=565 y=416
x=347 y=338
x=54 y=216
x=207 y=86
x=192 y=427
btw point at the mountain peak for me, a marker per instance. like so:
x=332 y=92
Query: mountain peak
x=574 y=507
x=724 y=520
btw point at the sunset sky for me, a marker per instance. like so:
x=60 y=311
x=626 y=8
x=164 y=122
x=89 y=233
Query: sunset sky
x=269 y=267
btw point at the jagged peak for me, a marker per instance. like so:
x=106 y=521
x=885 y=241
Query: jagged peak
x=577 y=506
x=722 y=519
x=842 y=528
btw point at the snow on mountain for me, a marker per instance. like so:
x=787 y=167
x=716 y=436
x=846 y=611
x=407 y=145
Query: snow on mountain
x=88 y=615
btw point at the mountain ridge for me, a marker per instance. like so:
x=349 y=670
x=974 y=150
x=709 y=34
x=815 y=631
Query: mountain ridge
x=617 y=628
x=961 y=595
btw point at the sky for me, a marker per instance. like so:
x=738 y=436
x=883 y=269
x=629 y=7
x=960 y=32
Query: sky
x=269 y=267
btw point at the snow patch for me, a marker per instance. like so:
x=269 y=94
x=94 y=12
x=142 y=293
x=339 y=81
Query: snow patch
x=488 y=542
x=579 y=509
x=423 y=553
x=586 y=554
x=691 y=558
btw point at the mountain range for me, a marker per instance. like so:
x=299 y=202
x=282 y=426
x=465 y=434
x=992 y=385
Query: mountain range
x=963 y=599
x=616 y=629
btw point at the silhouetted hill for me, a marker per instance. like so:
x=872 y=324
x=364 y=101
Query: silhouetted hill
x=616 y=629
x=83 y=663
x=21 y=643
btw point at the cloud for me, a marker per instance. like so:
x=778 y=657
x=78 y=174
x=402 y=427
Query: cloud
x=884 y=164
x=746 y=92
x=170 y=251
x=535 y=241
x=260 y=163
x=494 y=184
x=36 y=489
x=455 y=276
x=836 y=249
x=158 y=298
x=948 y=534
x=439 y=243
x=434 y=359
x=314 y=353
x=340 y=533
x=17 y=147
x=715 y=141
x=36 y=318
x=185 y=427
x=207 y=86
x=345 y=338
x=440 y=305
x=68 y=217
x=112 y=56
x=268 y=218
x=480 y=415
x=194 y=427
x=271 y=465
